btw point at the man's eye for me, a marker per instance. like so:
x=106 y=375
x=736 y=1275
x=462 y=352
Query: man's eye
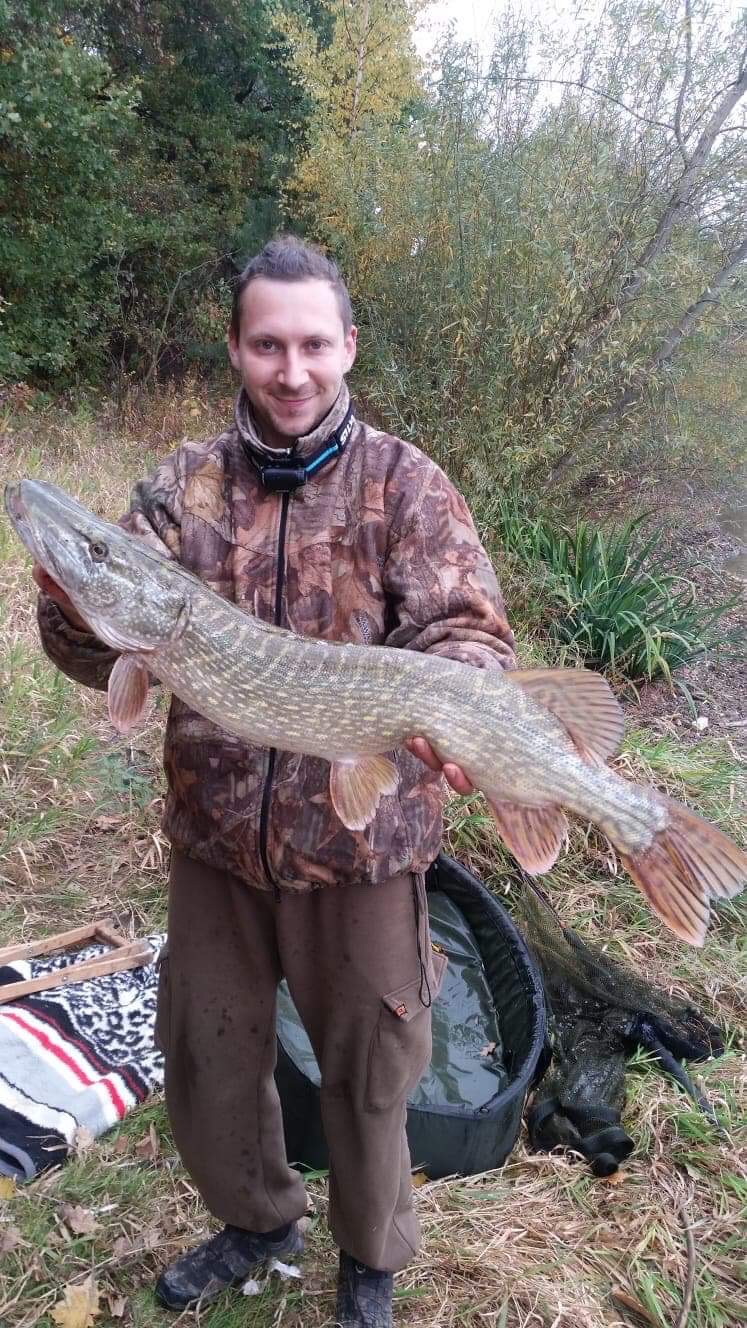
x=316 y=343
x=265 y=344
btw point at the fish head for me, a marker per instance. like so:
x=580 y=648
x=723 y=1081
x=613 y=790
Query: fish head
x=133 y=597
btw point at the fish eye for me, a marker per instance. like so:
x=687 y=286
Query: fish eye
x=99 y=551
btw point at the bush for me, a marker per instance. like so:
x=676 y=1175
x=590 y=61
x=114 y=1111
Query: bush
x=63 y=124
x=618 y=610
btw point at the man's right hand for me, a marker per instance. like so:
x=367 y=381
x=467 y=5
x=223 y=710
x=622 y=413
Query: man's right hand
x=44 y=582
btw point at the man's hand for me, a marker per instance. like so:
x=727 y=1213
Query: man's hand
x=453 y=774
x=44 y=582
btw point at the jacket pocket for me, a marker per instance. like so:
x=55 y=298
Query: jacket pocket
x=400 y=1046
x=163 y=1002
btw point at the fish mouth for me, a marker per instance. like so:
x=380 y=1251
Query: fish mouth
x=39 y=519
x=14 y=502
x=20 y=520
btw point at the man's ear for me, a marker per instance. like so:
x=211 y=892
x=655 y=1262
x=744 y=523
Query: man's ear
x=351 y=348
x=233 y=348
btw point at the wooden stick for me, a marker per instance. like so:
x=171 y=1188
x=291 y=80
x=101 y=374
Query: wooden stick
x=107 y=932
x=123 y=957
x=63 y=940
x=687 y=1297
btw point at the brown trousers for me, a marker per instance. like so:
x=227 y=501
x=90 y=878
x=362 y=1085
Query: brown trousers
x=352 y=960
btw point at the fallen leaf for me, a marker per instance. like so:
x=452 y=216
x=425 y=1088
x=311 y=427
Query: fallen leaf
x=121 y=1144
x=79 y=1305
x=35 y=1268
x=419 y=1179
x=616 y=1178
x=81 y=1221
x=108 y=822
x=148 y=1147
x=122 y=1246
x=7 y=1187
x=10 y=1239
x=117 y=1306
x=150 y=1238
x=82 y=1140
x=624 y=1297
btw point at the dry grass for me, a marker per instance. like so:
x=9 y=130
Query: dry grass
x=539 y=1243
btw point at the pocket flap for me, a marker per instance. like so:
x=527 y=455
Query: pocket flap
x=408 y=1001
x=405 y=1002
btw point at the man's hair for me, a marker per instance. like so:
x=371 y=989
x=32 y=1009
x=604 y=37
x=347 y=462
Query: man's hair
x=287 y=258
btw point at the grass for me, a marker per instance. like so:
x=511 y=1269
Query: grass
x=538 y=1244
x=609 y=597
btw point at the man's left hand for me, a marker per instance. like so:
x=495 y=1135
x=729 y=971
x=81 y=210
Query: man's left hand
x=453 y=774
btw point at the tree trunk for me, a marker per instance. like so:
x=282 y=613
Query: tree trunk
x=682 y=191
x=360 y=61
x=601 y=319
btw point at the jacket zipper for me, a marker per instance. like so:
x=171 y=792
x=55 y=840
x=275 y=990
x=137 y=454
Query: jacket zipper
x=264 y=815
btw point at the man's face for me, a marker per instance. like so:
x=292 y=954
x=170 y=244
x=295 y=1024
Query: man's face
x=292 y=353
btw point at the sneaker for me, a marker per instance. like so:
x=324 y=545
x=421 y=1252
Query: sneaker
x=364 y=1296
x=227 y=1259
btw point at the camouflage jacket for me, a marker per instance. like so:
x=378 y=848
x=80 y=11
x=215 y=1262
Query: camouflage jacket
x=379 y=549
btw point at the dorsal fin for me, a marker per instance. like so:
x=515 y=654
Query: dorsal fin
x=583 y=702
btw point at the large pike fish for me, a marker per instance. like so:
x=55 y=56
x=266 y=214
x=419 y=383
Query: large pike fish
x=534 y=742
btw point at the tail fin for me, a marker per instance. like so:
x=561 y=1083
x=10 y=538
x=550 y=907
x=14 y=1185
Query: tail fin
x=689 y=863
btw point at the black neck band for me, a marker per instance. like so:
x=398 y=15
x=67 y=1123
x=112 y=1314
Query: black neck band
x=283 y=474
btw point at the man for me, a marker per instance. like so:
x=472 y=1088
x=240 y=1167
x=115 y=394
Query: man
x=316 y=522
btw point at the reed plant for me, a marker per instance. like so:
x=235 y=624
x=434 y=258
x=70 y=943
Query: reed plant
x=610 y=599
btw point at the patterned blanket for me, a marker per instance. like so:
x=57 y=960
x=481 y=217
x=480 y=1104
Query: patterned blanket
x=73 y=1058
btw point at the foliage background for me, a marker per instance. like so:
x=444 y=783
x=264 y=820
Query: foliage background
x=545 y=243
x=528 y=260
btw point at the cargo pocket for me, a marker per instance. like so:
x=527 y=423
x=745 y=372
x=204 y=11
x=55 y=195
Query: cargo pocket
x=401 y=1042
x=163 y=1002
x=439 y=964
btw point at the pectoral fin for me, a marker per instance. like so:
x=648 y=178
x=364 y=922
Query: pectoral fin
x=356 y=787
x=533 y=834
x=128 y=692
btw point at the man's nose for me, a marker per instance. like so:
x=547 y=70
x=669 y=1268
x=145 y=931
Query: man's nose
x=292 y=370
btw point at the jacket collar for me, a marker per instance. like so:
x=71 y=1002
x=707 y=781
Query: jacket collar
x=304 y=446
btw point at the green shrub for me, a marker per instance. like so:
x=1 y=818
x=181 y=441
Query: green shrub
x=609 y=599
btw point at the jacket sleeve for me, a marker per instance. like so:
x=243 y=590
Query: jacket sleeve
x=443 y=592
x=154 y=516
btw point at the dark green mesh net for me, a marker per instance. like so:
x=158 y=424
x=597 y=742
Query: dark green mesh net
x=599 y=1011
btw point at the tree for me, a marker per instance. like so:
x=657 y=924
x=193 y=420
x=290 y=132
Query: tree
x=361 y=80
x=64 y=121
x=531 y=238
x=171 y=125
